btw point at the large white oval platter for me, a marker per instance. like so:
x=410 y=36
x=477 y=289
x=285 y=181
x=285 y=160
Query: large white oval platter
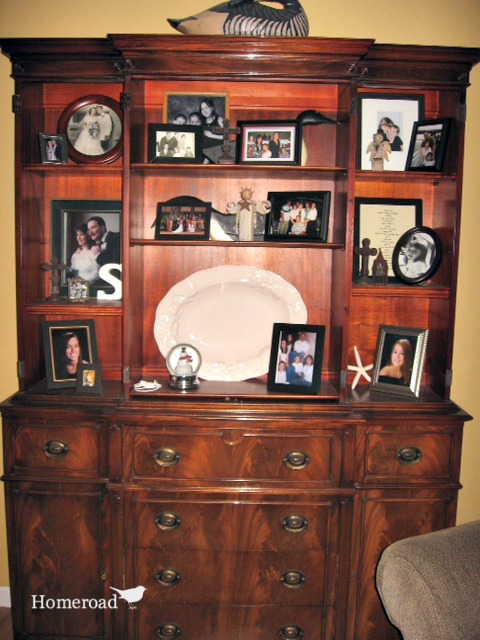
x=228 y=313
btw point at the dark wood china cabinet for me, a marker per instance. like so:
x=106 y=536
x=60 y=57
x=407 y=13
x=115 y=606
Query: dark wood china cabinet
x=245 y=513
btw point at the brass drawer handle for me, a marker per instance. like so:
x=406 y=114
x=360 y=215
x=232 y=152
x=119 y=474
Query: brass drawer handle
x=290 y=633
x=166 y=457
x=409 y=455
x=295 y=523
x=168 y=631
x=56 y=449
x=296 y=460
x=168 y=577
x=168 y=521
x=293 y=579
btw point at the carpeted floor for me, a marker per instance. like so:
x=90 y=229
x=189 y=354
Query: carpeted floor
x=6 y=632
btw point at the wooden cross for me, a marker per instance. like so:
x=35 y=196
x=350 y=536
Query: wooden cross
x=55 y=267
x=365 y=252
x=226 y=131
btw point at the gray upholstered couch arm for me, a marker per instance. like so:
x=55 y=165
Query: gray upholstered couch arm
x=430 y=584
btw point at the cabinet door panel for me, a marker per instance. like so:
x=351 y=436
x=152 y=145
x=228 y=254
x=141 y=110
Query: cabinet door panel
x=221 y=526
x=58 y=546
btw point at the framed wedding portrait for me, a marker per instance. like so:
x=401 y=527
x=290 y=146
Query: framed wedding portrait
x=269 y=142
x=298 y=216
x=296 y=358
x=93 y=129
x=399 y=360
x=67 y=344
x=53 y=148
x=77 y=247
x=394 y=117
x=182 y=220
x=428 y=145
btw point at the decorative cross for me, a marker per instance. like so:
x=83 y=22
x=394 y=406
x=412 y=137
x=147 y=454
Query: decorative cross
x=365 y=252
x=226 y=131
x=55 y=267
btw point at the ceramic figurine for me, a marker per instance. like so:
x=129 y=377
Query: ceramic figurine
x=378 y=150
x=246 y=210
x=247 y=18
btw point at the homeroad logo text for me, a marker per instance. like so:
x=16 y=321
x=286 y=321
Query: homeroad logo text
x=129 y=595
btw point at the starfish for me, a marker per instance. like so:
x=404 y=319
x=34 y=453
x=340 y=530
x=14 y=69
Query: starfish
x=360 y=369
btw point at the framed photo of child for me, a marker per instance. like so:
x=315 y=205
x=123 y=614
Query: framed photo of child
x=296 y=358
x=417 y=255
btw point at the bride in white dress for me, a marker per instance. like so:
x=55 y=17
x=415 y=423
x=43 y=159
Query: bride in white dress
x=88 y=142
x=84 y=260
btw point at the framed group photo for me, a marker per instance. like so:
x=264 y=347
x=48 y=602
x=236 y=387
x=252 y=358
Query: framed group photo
x=428 y=145
x=67 y=345
x=298 y=216
x=394 y=117
x=384 y=221
x=269 y=142
x=182 y=219
x=296 y=358
x=86 y=234
x=399 y=360
x=417 y=255
x=93 y=128
x=174 y=144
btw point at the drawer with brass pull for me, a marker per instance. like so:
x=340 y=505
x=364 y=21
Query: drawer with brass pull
x=421 y=456
x=250 y=456
x=222 y=525
x=171 y=622
x=57 y=449
x=200 y=577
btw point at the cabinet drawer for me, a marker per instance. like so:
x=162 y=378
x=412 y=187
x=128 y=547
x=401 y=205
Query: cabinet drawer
x=423 y=457
x=164 y=525
x=231 y=578
x=228 y=623
x=57 y=449
x=246 y=456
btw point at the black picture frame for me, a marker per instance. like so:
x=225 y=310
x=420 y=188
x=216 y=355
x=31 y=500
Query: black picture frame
x=282 y=373
x=313 y=227
x=428 y=145
x=288 y=146
x=183 y=219
x=402 y=111
x=89 y=378
x=56 y=337
x=426 y=247
x=181 y=144
x=93 y=138
x=180 y=107
x=70 y=218
x=400 y=351
x=53 y=148
x=383 y=221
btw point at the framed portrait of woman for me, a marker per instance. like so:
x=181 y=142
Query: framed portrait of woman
x=399 y=360
x=67 y=345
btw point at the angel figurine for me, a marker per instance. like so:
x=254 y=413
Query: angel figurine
x=378 y=150
x=246 y=210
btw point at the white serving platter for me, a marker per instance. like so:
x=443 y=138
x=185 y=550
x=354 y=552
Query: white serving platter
x=228 y=313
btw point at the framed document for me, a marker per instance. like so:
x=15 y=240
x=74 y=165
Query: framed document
x=383 y=222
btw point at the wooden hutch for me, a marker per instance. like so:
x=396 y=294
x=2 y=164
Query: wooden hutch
x=246 y=514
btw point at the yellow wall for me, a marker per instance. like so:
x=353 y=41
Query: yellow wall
x=432 y=22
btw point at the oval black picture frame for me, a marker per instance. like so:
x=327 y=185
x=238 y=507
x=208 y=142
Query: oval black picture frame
x=70 y=122
x=431 y=252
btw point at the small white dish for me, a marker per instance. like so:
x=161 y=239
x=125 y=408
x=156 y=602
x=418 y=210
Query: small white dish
x=144 y=387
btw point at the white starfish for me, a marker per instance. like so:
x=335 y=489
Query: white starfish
x=360 y=369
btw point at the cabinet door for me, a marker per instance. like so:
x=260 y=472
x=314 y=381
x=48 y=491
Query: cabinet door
x=385 y=517
x=56 y=537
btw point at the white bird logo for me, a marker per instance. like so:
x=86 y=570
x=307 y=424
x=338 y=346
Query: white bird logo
x=131 y=595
